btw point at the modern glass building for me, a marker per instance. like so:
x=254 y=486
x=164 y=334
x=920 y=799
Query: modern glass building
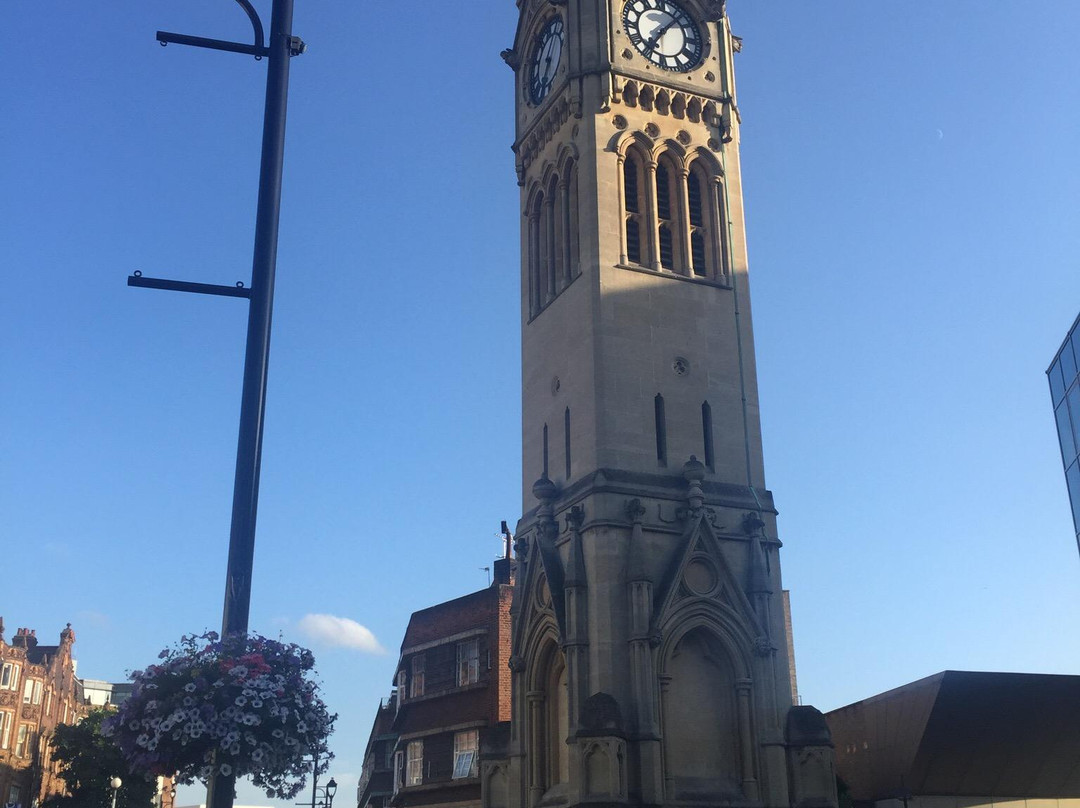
x=1065 y=394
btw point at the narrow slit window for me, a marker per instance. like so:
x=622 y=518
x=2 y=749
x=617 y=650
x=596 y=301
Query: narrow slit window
x=566 y=433
x=707 y=435
x=545 y=450
x=661 y=430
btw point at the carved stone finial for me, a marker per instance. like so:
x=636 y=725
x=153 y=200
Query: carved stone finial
x=715 y=10
x=575 y=518
x=545 y=490
x=521 y=548
x=752 y=523
x=694 y=472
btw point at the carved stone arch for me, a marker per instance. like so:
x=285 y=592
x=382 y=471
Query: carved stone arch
x=548 y=717
x=663 y=102
x=567 y=152
x=678 y=106
x=693 y=109
x=623 y=141
x=706 y=710
x=710 y=163
x=535 y=186
x=672 y=149
x=721 y=621
x=646 y=98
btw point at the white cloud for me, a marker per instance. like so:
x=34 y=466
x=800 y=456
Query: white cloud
x=339 y=631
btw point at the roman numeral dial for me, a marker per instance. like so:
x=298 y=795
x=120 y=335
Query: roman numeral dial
x=664 y=33
x=547 y=53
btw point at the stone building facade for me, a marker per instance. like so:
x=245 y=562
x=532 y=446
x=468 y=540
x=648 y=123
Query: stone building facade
x=38 y=691
x=650 y=658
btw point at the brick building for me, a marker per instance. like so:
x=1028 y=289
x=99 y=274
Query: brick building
x=452 y=693
x=38 y=690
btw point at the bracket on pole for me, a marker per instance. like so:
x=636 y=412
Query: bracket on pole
x=188 y=286
x=258 y=50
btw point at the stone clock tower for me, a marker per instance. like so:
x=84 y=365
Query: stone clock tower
x=650 y=659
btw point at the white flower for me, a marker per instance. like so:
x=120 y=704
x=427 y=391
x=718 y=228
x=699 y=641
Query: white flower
x=238 y=670
x=190 y=687
x=240 y=701
x=226 y=769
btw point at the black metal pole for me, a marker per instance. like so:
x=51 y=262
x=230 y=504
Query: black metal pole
x=253 y=399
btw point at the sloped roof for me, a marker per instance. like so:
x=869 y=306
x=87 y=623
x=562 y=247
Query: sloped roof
x=451 y=617
x=963 y=733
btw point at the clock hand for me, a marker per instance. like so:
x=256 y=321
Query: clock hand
x=654 y=40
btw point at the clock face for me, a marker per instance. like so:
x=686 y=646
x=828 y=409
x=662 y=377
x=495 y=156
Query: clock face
x=664 y=33
x=545 y=61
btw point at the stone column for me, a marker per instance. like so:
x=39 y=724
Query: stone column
x=536 y=746
x=746 y=739
x=652 y=228
x=687 y=267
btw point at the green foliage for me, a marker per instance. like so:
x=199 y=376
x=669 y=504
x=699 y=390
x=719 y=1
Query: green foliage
x=88 y=761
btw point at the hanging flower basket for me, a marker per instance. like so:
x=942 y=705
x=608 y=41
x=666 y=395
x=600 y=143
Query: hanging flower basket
x=243 y=706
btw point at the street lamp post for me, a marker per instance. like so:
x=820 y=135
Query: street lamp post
x=115 y=784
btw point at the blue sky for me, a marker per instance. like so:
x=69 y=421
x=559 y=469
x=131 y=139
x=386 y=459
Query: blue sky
x=911 y=193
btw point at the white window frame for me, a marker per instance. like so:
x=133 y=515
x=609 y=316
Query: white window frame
x=401 y=686
x=48 y=703
x=5 y=729
x=414 y=763
x=28 y=691
x=37 y=691
x=468 y=662
x=22 y=741
x=9 y=676
x=416 y=684
x=466 y=752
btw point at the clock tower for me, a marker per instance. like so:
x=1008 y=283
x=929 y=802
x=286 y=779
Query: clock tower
x=650 y=660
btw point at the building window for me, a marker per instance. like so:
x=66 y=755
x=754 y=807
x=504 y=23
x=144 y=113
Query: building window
x=414 y=774
x=14 y=793
x=37 y=693
x=48 y=703
x=466 y=751
x=633 y=207
x=399 y=771
x=9 y=676
x=416 y=688
x=28 y=691
x=401 y=686
x=468 y=663
x=5 y=730
x=22 y=740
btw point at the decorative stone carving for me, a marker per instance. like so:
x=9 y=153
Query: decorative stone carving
x=619 y=122
x=763 y=646
x=635 y=511
x=652 y=130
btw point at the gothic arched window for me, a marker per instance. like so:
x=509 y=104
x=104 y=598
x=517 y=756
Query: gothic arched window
x=634 y=206
x=537 y=254
x=669 y=215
